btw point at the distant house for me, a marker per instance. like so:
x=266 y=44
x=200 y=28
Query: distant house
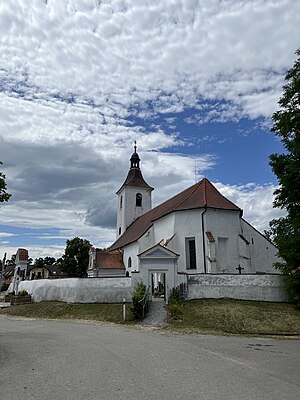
x=44 y=272
x=8 y=274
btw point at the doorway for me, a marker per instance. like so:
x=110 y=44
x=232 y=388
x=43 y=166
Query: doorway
x=158 y=286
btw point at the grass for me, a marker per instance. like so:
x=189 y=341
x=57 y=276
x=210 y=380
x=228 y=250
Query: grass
x=206 y=316
x=237 y=317
x=58 y=310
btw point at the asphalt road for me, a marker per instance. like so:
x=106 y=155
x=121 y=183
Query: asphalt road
x=60 y=360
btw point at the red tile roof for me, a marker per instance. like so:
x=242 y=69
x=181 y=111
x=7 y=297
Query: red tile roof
x=135 y=178
x=202 y=194
x=22 y=255
x=109 y=260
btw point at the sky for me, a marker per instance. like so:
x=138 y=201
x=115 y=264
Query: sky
x=194 y=82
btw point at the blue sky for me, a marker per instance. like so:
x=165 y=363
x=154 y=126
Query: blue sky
x=194 y=82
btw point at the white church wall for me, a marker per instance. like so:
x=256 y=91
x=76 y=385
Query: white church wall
x=225 y=228
x=75 y=290
x=131 y=251
x=262 y=252
x=243 y=287
x=164 y=228
x=188 y=224
x=146 y=241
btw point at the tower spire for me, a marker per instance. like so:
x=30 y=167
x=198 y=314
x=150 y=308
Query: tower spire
x=135 y=159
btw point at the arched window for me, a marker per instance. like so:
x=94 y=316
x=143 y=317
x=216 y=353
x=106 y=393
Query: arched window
x=129 y=262
x=121 y=201
x=138 y=200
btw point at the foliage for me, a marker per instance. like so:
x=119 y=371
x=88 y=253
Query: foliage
x=4 y=196
x=11 y=261
x=40 y=262
x=285 y=231
x=175 y=303
x=23 y=293
x=139 y=301
x=4 y=287
x=175 y=295
x=76 y=258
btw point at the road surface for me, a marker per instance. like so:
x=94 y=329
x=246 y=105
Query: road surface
x=46 y=360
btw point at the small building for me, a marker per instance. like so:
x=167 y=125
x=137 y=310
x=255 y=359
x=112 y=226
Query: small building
x=105 y=264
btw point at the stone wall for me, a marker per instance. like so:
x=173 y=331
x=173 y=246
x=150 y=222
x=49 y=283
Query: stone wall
x=245 y=287
x=75 y=290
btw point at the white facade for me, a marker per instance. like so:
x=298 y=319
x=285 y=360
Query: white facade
x=237 y=244
x=132 y=202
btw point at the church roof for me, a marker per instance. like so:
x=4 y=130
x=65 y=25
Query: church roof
x=201 y=195
x=135 y=178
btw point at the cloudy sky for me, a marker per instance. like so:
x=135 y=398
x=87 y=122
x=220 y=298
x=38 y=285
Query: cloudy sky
x=194 y=82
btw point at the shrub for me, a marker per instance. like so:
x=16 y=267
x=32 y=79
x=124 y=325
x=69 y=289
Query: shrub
x=4 y=287
x=23 y=293
x=175 y=303
x=138 y=305
x=175 y=296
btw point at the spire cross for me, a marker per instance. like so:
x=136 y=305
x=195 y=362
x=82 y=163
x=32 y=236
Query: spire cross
x=135 y=146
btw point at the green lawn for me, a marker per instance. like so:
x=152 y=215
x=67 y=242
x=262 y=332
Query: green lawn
x=199 y=316
x=58 y=310
x=237 y=317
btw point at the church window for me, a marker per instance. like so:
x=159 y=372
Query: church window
x=138 y=200
x=129 y=262
x=120 y=231
x=190 y=248
x=121 y=201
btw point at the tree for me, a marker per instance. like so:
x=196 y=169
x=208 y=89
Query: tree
x=285 y=231
x=76 y=258
x=40 y=262
x=4 y=196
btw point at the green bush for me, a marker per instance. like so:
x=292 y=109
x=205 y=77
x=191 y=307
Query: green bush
x=23 y=293
x=138 y=305
x=175 y=303
x=4 y=287
x=175 y=296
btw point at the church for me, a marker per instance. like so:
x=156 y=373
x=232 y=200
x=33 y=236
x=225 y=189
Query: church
x=196 y=232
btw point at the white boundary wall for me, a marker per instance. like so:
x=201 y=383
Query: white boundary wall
x=75 y=290
x=244 y=287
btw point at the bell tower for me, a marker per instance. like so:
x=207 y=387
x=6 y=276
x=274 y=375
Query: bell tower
x=134 y=196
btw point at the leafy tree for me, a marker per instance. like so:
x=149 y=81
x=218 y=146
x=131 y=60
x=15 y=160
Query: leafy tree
x=40 y=262
x=76 y=258
x=285 y=231
x=49 y=260
x=4 y=196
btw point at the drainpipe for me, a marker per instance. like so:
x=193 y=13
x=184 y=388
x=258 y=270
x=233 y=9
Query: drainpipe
x=203 y=239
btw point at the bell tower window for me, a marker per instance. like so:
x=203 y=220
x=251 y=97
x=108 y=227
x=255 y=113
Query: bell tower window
x=138 y=200
x=121 y=201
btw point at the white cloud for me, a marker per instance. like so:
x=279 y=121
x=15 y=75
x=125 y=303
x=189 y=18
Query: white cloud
x=76 y=77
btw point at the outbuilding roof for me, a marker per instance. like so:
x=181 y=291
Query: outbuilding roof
x=202 y=194
x=108 y=260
